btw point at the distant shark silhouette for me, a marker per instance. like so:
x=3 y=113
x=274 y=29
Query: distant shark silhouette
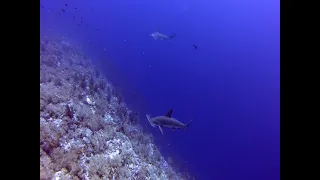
x=157 y=35
x=167 y=121
x=195 y=46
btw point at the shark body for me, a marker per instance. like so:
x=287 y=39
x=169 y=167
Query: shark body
x=157 y=35
x=166 y=121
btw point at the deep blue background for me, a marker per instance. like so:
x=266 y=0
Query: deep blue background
x=229 y=87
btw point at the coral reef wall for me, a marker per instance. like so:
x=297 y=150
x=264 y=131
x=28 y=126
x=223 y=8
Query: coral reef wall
x=86 y=130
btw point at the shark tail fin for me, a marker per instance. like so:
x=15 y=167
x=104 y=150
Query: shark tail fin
x=149 y=119
x=172 y=36
x=187 y=125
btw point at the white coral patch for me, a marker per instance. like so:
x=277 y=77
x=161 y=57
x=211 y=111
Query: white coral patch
x=93 y=111
x=57 y=175
x=108 y=118
x=89 y=101
x=57 y=122
x=150 y=146
x=114 y=154
x=61 y=175
x=66 y=146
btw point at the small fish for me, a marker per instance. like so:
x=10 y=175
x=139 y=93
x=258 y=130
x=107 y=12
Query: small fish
x=63 y=10
x=73 y=17
x=66 y=4
x=195 y=46
x=166 y=121
x=75 y=8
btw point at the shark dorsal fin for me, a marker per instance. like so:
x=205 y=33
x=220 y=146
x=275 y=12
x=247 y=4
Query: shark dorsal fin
x=169 y=113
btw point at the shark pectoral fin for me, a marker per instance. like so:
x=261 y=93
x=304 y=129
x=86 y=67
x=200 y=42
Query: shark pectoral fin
x=161 y=130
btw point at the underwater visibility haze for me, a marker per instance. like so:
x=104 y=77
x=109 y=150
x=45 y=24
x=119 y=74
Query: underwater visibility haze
x=205 y=72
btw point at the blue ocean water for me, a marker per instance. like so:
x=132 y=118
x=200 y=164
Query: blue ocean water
x=229 y=86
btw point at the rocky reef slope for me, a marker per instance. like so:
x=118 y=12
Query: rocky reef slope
x=86 y=130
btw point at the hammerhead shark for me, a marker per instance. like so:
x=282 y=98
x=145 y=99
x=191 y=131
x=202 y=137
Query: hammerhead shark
x=167 y=121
